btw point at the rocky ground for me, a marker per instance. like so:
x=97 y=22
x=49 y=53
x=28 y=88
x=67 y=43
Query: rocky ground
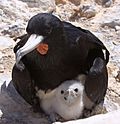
x=102 y=17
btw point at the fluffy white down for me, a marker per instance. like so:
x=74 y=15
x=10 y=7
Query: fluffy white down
x=66 y=100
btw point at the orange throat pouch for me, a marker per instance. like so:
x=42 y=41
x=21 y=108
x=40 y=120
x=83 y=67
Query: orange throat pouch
x=42 y=48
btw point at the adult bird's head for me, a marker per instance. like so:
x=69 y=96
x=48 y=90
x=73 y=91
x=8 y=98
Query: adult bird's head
x=40 y=28
x=44 y=24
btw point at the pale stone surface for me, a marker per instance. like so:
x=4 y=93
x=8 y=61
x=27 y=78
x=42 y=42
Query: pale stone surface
x=109 y=118
x=6 y=42
x=14 y=16
x=87 y=11
x=76 y=2
x=105 y=3
x=44 y=4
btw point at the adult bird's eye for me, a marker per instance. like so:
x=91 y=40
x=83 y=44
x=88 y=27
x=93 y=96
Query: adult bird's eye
x=76 y=89
x=48 y=30
x=62 y=91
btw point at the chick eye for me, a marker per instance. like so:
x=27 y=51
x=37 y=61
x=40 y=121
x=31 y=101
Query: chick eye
x=76 y=89
x=62 y=91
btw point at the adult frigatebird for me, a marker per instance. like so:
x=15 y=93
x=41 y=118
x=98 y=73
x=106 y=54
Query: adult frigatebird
x=54 y=51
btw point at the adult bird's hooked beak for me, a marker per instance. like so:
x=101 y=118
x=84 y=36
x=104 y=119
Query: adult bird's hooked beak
x=33 y=41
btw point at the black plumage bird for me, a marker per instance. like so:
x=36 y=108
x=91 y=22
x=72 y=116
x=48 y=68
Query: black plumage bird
x=54 y=51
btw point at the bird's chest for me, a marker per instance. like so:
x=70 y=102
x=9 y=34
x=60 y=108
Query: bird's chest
x=55 y=73
x=52 y=69
x=69 y=112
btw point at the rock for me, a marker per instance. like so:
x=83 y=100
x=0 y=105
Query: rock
x=1 y=12
x=105 y=3
x=109 y=118
x=76 y=2
x=44 y=4
x=11 y=8
x=6 y=42
x=87 y=11
x=60 y=2
x=102 y=108
x=1 y=68
x=14 y=30
x=118 y=76
x=1 y=55
x=110 y=105
x=112 y=24
x=108 y=3
x=1 y=63
x=1 y=113
x=117 y=28
x=13 y=17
